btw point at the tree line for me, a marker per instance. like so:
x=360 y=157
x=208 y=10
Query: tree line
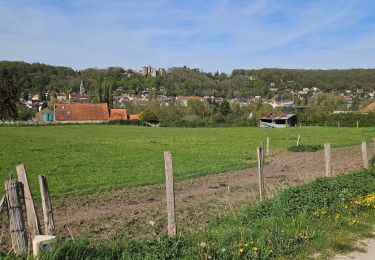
x=39 y=78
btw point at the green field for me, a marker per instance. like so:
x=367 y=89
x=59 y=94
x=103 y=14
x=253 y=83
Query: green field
x=90 y=158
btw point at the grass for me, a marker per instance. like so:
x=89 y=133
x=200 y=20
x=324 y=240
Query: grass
x=316 y=219
x=90 y=158
x=305 y=148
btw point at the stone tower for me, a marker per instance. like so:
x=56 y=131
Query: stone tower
x=82 y=90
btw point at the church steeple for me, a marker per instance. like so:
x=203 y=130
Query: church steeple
x=82 y=90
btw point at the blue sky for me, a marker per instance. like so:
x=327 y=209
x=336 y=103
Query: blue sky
x=211 y=35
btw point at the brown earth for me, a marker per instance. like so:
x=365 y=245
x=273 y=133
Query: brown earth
x=141 y=211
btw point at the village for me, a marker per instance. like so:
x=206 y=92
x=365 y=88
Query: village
x=72 y=107
x=226 y=130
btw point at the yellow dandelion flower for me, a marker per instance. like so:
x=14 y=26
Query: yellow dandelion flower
x=255 y=248
x=246 y=245
x=241 y=250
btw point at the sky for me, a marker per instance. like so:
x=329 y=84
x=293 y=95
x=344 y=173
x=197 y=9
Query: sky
x=211 y=35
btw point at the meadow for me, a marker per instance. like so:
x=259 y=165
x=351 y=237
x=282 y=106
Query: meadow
x=79 y=159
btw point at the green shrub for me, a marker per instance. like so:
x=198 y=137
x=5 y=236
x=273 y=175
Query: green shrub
x=372 y=161
x=305 y=148
x=149 y=117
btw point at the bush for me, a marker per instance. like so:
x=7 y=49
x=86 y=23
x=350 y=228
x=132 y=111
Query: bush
x=372 y=161
x=305 y=148
x=149 y=117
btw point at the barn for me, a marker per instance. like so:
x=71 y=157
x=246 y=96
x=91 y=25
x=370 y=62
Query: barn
x=44 y=116
x=278 y=120
x=81 y=113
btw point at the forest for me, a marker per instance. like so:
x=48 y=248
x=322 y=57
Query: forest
x=37 y=78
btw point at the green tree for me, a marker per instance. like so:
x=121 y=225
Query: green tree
x=23 y=113
x=8 y=96
x=225 y=108
x=149 y=116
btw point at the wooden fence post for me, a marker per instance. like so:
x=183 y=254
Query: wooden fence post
x=49 y=222
x=327 y=157
x=338 y=124
x=32 y=217
x=16 y=221
x=260 y=171
x=268 y=147
x=364 y=154
x=2 y=203
x=298 y=138
x=357 y=124
x=172 y=231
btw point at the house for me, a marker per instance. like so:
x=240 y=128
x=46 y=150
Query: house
x=183 y=100
x=81 y=113
x=77 y=98
x=278 y=120
x=36 y=98
x=118 y=114
x=87 y=113
x=133 y=117
x=44 y=116
x=61 y=97
x=369 y=108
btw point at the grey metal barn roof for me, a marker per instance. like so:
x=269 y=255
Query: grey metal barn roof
x=277 y=116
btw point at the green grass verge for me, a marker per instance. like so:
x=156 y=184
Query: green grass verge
x=89 y=158
x=316 y=219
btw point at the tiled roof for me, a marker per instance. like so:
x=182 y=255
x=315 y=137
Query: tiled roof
x=81 y=112
x=134 y=117
x=117 y=114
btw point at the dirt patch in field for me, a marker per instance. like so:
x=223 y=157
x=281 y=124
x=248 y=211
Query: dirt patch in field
x=141 y=212
x=367 y=253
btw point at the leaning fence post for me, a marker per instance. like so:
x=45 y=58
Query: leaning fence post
x=364 y=154
x=327 y=157
x=260 y=171
x=170 y=194
x=16 y=221
x=32 y=217
x=298 y=138
x=49 y=222
x=268 y=147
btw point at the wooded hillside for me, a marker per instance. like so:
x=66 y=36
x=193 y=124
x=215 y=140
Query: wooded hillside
x=39 y=78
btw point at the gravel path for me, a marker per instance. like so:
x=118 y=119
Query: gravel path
x=368 y=245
